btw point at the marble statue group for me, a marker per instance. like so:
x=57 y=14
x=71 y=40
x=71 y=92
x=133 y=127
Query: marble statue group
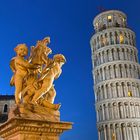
x=34 y=76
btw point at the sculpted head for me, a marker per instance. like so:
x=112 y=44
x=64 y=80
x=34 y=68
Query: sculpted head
x=59 y=58
x=21 y=50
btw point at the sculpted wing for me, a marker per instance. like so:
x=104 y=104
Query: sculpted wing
x=12 y=66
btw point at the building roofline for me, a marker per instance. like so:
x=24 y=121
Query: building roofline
x=7 y=97
x=107 y=12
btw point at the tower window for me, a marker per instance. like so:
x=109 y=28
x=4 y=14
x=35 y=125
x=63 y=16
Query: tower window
x=117 y=24
x=124 y=20
x=121 y=38
x=5 y=108
x=129 y=94
x=96 y=24
x=104 y=40
x=104 y=27
x=113 y=136
x=109 y=18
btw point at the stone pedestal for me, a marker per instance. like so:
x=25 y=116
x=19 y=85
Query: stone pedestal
x=30 y=129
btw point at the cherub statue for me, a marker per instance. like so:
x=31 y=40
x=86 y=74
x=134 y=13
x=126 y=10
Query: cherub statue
x=20 y=67
x=34 y=78
x=52 y=74
x=46 y=92
x=39 y=56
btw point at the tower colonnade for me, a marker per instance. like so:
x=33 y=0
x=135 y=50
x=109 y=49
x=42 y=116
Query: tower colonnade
x=114 y=53
x=118 y=109
x=118 y=69
x=117 y=89
x=122 y=130
x=113 y=36
x=116 y=74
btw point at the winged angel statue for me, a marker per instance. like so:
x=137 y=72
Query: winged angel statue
x=33 y=80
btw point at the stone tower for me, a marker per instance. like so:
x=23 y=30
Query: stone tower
x=116 y=73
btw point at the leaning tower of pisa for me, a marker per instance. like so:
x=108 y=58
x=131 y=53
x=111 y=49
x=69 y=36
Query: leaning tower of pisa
x=116 y=74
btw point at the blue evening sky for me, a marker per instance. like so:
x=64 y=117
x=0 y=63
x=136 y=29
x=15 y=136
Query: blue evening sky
x=69 y=24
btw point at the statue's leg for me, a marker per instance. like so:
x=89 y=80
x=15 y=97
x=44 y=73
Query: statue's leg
x=50 y=105
x=50 y=95
x=27 y=98
x=47 y=83
x=18 y=88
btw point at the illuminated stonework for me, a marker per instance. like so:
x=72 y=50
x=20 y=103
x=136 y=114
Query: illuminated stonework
x=34 y=116
x=116 y=73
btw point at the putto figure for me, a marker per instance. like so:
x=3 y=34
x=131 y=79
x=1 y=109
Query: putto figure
x=33 y=79
x=20 y=67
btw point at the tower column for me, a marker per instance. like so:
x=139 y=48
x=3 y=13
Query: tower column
x=105 y=132
x=124 y=132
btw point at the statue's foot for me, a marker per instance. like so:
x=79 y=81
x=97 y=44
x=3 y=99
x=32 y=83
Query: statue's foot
x=57 y=106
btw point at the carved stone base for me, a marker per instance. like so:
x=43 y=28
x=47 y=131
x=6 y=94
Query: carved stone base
x=34 y=111
x=29 y=129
